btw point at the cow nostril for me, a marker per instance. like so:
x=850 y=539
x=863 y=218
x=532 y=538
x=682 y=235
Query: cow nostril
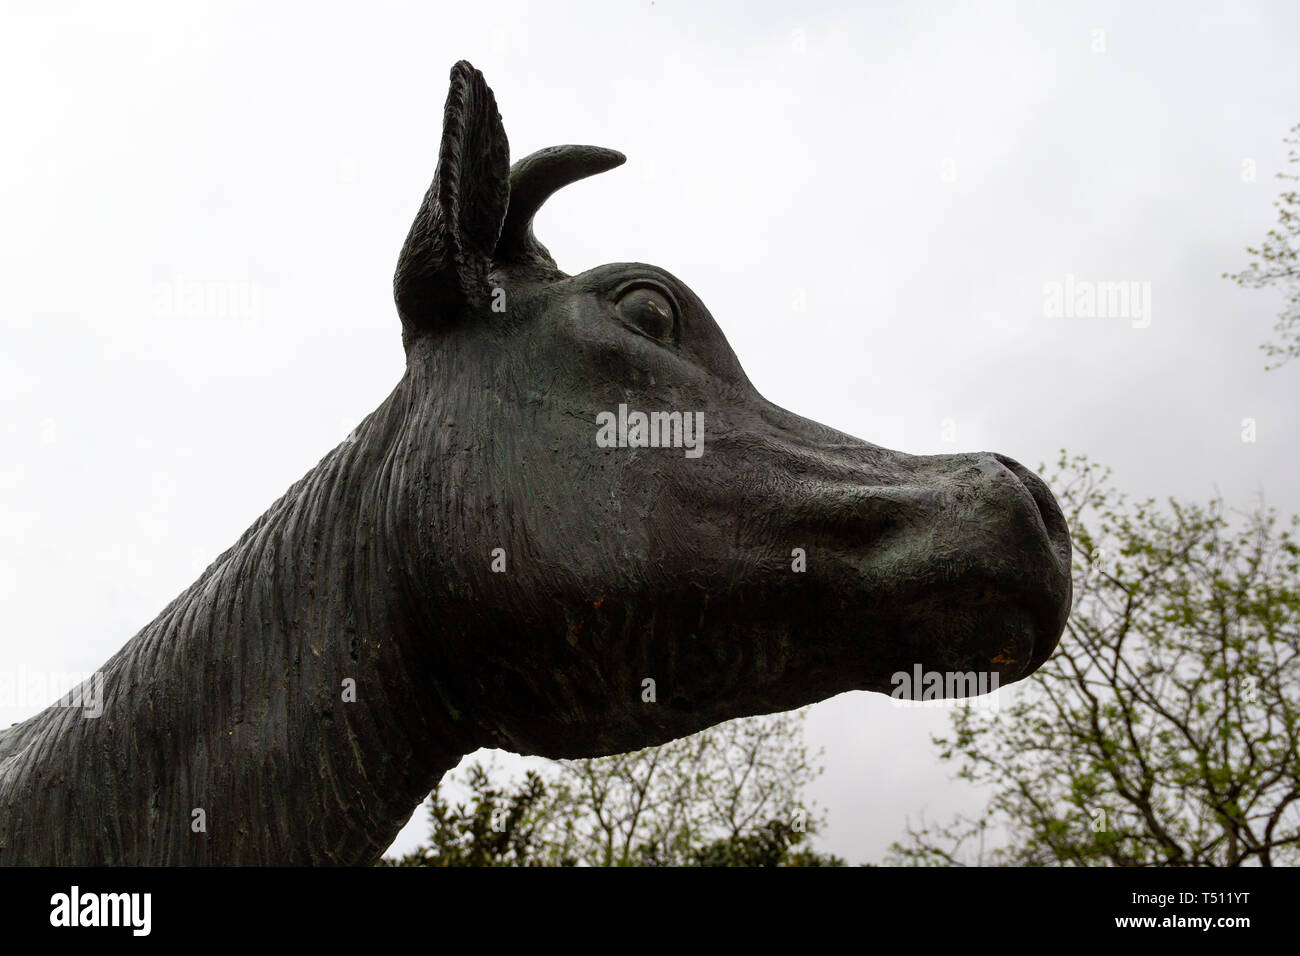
x=1049 y=512
x=1053 y=604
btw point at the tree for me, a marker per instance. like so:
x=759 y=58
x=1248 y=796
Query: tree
x=774 y=844
x=496 y=828
x=1165 y=730
x=729 y=796
x=1275 y=263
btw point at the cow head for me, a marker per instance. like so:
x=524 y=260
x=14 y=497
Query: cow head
x=588 y=581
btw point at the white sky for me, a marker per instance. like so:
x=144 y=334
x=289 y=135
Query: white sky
x=277 y=153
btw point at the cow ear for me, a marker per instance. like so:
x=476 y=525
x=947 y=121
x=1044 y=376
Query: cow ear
x=443 y=268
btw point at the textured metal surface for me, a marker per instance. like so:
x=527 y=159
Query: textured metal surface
x=484 y=572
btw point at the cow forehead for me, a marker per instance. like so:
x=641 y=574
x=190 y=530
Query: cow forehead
x=604 y=278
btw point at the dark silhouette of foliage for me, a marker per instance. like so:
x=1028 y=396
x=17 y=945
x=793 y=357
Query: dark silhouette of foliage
x=772 y=845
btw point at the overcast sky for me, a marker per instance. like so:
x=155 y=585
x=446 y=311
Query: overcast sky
x=872 y=199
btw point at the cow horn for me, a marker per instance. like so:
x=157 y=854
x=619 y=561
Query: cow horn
x=533 y=180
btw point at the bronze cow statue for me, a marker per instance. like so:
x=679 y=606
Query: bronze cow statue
x=573 y=529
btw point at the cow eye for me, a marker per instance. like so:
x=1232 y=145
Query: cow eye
x=649 y=311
